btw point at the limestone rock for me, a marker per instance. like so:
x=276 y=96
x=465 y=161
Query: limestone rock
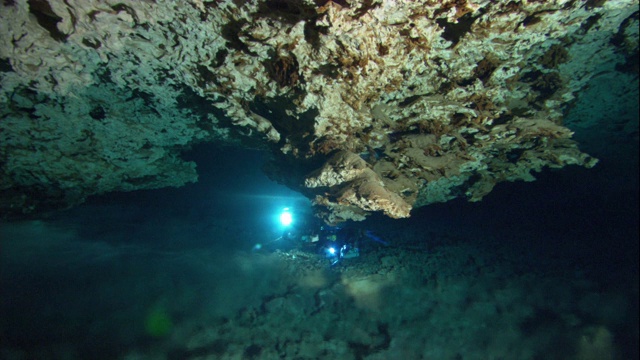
x=442 y=98
x=349 y=184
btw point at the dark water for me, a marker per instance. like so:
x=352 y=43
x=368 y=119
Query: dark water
x=541 y=270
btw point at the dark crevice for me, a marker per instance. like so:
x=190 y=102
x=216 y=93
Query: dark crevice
x=547 y=85
x=128 y=9
x=312 y=33
x=47 y=18
x=631 y=62
x=455 y=31
x=231 y=32
x=206 y=76
x=221 y=56
x=5 y=65
x=292 y=12
x=591 y=4
x=328 y=70
x=92 y=43
x=283 y=70
x=365 y=7
x=484 y=70
x=147 y=98
x=556 y=55
x=98 y=113
x=514 y=155
x=530 y=20
x=408 y=101
x=299 y=130
x=287 y=11
x=535 y=17
x=502 y=119
x=589 y=23
x=618 y=39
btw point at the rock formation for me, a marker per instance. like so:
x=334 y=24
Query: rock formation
x=379 y=105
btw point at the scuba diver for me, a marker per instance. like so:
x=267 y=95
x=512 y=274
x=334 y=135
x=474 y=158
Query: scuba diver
x=342 y=243
x=346 y=243
x=310 y=234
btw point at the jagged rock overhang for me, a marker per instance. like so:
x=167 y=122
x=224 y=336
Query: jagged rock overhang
x=437 y=99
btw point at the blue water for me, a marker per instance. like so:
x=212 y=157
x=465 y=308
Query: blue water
x=149 y=273
x=541 y=270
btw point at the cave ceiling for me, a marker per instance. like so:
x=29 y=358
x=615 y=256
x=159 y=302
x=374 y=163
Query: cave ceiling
x=365 y=105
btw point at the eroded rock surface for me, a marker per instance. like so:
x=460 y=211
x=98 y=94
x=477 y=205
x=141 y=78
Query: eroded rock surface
x=426 y=100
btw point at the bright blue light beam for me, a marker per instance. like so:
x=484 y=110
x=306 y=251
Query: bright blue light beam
x=286 y=218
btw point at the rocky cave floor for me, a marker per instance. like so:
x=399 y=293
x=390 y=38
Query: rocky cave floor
x=445 y=295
